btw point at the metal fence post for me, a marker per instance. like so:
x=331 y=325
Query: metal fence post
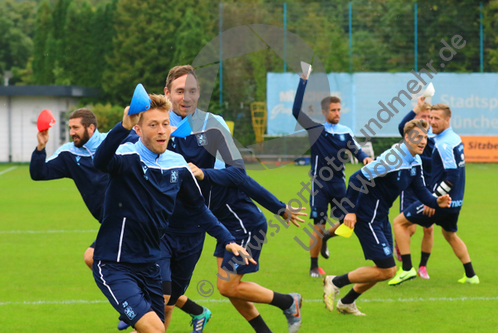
x=221 y=52
x=285 y=37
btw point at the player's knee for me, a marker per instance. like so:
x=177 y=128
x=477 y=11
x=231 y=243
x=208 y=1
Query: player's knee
x=429 y=231
x=88 y=256
x=391 y=272
x=224 y=288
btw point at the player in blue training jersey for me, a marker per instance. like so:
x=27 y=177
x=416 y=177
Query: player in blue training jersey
x=407 y=197
x=208 y=135
x=144 y=183
x=231 y=204
x=371 y=193
x=448 y=177
x=75 y=160
x=329 y=143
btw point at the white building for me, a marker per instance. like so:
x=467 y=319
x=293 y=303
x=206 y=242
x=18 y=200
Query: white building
x=19 y=110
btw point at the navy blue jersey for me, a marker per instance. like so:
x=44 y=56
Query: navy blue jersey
x=426 y=156
x=328 y=141
x=209 y=138
x=375 y=187
x=76 y=163
x=448 y=163
x=231 y=203
x=140 y=199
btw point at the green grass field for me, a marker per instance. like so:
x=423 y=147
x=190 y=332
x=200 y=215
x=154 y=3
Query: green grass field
x=46 y=287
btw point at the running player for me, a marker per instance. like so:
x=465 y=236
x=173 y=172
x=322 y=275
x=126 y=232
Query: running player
x=145 y=180
x=371 y=192
x=208 y=136
x=330 y=141
x=448 y=177
x=232 y=206
x=75 y=160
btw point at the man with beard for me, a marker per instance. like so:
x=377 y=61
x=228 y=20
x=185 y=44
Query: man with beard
x=329 y=142
x=75 y=160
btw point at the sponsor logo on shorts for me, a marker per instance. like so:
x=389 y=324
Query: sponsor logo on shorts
x=128 y=310
x=386 y=249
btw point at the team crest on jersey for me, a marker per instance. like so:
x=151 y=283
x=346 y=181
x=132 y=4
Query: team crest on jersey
x=342 y=137
x=413 y=172
x=174 y=176
x=201 y=139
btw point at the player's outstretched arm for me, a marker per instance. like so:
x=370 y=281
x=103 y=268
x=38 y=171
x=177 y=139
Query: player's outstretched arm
x=303 y=119
x=41 y=168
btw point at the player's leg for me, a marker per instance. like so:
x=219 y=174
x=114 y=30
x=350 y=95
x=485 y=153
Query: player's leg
x=200 y=315
x=230 y=285
x=133 y=290
x=426 y=250
x=376 y=242
x=449 y=229
x=186 y=251
x=149 y=323
x=401 y=226
x=88 y=256
x=319 y=204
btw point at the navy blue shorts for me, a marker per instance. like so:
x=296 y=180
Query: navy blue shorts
x=132 y=289
x=376 y=239
x=252 y=242
x=179 y=255
x=325 y=197
x=445 y=218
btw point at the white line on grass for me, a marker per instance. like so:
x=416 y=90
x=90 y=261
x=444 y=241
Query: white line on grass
x=7 y=170
x=205 y=300
x=44 y=231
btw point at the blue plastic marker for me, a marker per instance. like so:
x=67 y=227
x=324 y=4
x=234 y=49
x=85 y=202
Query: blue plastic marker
x=140 y=101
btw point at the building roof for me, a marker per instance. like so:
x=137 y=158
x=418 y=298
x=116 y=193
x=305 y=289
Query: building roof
x=62 y=91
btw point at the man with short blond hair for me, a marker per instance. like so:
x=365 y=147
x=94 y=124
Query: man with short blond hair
x=145 y=181
x=448 y=177
x=371 y=193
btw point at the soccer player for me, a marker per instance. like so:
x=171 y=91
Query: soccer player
x=144 y=183
x=448 y=177
x=371 y=192
x=184 y=240
x=75 y=160
x=407 y=197
x=329 y=143
x=232 y=206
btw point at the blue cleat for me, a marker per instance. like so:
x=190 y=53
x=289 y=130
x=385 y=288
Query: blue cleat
x=122 y=325
x=199 y=322
x=293 y=314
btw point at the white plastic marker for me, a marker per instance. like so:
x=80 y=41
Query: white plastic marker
x=306 y=69
x=429 y=91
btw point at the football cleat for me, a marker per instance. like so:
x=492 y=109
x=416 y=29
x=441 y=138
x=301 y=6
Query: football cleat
x=422 y=272
x=348 y=309
x=293 y=314
x=330 y=292
x=314 y=272
x=471 y=280
x=199 y=322
x=403 y=276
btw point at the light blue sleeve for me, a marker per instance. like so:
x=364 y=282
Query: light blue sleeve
x=447 y=154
